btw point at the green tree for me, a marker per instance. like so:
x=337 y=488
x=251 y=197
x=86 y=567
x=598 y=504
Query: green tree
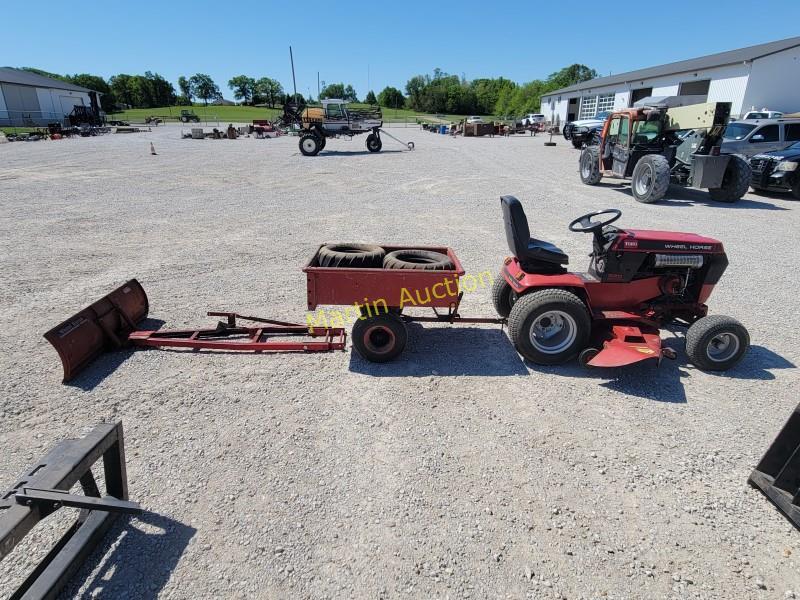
x=332 y=90
x=203 y=87
x=349 y=94
x=575 y=73
x=371 y=99
x=244 y=88
x=186 y=88
x=270 y=90
x=391 y=97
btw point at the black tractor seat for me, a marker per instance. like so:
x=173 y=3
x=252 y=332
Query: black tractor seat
x=535 y=256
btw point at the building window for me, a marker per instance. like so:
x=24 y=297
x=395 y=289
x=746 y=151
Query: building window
x=640 y=94
x=588 y=107
x=694 y=88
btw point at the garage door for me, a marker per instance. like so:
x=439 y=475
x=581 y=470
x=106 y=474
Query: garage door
x=21 y=102
x=68 y=102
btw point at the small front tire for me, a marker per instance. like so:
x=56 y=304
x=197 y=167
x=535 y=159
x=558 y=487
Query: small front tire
x=374 y=143
x=716 y=343
x=502 y=296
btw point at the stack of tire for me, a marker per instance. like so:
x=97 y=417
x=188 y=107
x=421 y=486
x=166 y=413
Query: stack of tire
x=381 y=337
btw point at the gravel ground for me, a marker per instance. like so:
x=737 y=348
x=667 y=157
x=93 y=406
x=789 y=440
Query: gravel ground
x=458 y=471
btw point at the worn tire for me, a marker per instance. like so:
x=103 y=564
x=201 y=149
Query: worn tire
x=531 y=309
x=358 y=256
x=716 y=343
x=380 y=338
x=650 y=178
x=374 y=143
x=735 y=182
x=418 y=260
x=589 y=166
x=502 y=296
x=310 y=144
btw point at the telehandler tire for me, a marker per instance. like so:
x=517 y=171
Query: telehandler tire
x=310 y=145
x=735 y=182
x=590 y=166
x=374 y=143
x=650 y=179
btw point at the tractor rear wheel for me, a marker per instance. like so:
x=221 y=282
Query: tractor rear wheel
x=650 y=179
x=380 y=338
x=735 y=182
x=374 y=143
x=310 y=144
x=550 y=326
x=716 y=343
x=502 y=296
x=590 y=166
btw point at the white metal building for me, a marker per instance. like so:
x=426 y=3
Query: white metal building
x=766 y=75
x=29 y=99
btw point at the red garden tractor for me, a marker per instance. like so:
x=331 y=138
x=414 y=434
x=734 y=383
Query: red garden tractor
x=638 y=281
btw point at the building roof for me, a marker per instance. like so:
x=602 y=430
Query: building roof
x=694 y=64
x=20 y=77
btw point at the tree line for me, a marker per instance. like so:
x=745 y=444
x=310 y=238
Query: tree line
x=437 y=93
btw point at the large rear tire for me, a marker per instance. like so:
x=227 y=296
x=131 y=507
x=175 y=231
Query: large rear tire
x=735 y=182
x=380 y=338
x=550 y=326
x=589 y=166
x=716 y=343
x=650 y=179
x=502 y=296
x=310 y=144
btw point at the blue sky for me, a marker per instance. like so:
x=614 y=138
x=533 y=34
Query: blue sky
x=386 y=44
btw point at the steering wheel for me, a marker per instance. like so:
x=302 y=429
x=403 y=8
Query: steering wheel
x=584 y=223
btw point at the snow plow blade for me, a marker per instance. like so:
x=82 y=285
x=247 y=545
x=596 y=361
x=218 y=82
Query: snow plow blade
x=105 y=325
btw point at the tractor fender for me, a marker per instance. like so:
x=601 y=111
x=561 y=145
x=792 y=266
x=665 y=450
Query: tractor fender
x=523 y=283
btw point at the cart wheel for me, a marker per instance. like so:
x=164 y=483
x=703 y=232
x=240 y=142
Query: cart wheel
x=410 y=145
x=586 y=355
x=374 y=143
x=380 y=338
x=716 y=343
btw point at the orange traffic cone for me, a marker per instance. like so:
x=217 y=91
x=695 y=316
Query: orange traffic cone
x=152 y=149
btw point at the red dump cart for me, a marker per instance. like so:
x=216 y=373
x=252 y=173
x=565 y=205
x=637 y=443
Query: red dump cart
x=378 y=297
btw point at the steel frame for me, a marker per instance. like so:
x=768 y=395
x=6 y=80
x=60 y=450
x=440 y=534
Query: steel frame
x=44 y=488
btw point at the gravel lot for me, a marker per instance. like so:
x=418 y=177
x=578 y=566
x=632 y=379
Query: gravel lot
x=458 y=471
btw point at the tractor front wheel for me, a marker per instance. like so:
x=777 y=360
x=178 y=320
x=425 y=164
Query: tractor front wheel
x=590 y=166
x=380 y=338
x=310 y=145
x=550 y=326
x=502 y=296
x=735 y=182
x=716 y=343
x=650 y=179
x=374 y=143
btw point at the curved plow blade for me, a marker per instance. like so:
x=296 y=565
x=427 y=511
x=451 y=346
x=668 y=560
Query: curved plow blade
x=104 y=325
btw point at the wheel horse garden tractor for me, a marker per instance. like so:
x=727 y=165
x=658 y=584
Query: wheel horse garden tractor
x=671 y=140
x=638 y=281
x=335 y=119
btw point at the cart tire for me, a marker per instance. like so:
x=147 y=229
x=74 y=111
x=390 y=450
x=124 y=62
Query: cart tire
x=735 y=182
x=550 y=326
x=418 y=260
x=359 y=256
x=502 y=296
x=716 y=343
x=310 y=144
x=590 y=166
x=380 y=338
x=374 y=143
x=650 y=178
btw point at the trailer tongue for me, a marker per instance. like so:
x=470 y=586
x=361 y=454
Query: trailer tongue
x=112 y=322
